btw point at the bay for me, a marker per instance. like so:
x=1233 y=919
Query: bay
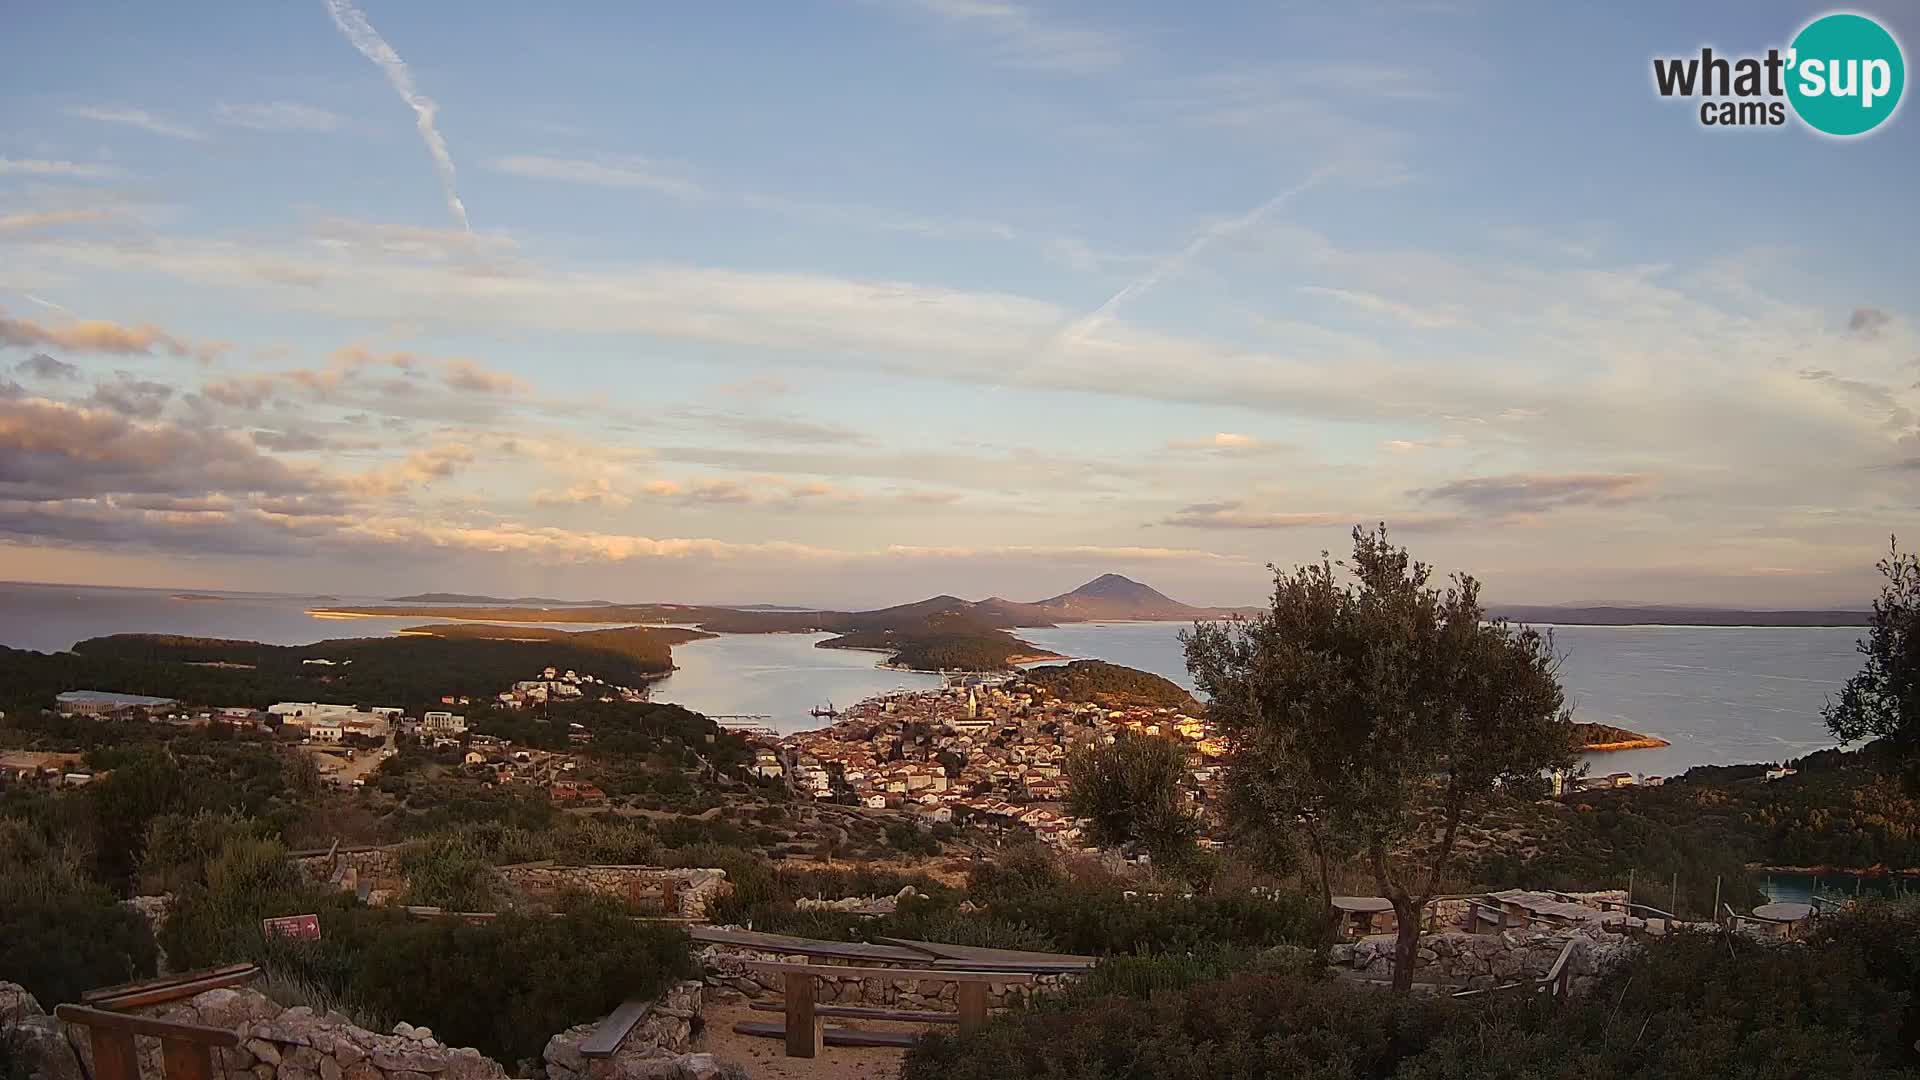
x=1720 y=695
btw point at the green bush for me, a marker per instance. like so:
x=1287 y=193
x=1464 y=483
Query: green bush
x=61 y=933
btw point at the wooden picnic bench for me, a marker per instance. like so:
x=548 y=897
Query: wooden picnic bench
x=186 y=1050
x=805 y=1035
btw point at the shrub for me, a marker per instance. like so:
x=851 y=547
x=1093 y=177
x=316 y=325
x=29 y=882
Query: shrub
x=60 y=933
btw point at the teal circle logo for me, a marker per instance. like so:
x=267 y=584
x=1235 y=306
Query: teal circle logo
x=1845 y=74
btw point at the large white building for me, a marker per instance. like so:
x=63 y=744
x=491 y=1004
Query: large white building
x=442 y=723
x=310 y=710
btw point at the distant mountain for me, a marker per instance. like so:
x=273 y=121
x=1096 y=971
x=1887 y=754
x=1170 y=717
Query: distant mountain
x=1111 y=596
x=473 y=598
x=1677 y=616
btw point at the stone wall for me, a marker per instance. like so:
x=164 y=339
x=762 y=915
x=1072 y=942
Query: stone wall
x=379 y=868
x=656 y=1048
x=725 y=969
x=694 y=890
x=1474 y=961
x=349 y=868
x=275 y=1044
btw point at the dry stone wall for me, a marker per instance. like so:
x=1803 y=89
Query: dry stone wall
x=1475 y=961
x=379 y=870
x=725 y=969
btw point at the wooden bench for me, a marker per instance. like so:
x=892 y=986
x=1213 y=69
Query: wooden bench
x=804 y=1033
x=614 y=1029
x=186 y=1050
x=867 y=1012
x=177 y=987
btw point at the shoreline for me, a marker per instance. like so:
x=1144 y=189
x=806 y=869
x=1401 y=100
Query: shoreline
x=1647 y=742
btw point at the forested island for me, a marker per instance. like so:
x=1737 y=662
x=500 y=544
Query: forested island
x=1597 y=738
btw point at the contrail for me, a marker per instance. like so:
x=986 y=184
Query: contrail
x=47 y=303
x=364 y=37
x=1174 y=263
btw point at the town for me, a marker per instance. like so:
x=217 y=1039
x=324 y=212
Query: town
x=981 y=750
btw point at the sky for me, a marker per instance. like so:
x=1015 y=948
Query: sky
x=850 y=303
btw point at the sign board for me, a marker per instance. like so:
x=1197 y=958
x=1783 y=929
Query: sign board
x=296 y=927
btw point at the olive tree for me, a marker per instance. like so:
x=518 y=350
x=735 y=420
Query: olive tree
x=1882 y=700
x=1133 y=792
x=1372 y=712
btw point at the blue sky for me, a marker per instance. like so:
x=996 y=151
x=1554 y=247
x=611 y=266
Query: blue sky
x=853 y=302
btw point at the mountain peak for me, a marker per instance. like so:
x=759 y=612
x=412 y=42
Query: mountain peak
x=1116 y=586
x=1112 y=596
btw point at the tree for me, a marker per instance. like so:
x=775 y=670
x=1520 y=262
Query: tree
x=1134 y=793
x=1372 y=713
x=1882 y=700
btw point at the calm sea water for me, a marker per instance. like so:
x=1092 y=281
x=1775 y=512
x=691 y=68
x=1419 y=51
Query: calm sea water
x=1720 y=695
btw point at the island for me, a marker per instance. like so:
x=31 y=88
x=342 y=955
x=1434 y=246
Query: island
x=1602 y=738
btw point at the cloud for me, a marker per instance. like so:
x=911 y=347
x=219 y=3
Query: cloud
x=418 y=469
x=137 y=118
x=591 y=491
x=471 y=377
x=290 y=442
x=142 y=398
x=42 y=366
x=1538 y=492
x=50 y=450
x=1413 y=315
x=44 y=219
x=1228 y=443
x=1234 y=515
x=1022 y=38
x=277 y=116
x=1412 y=446
x=67 y=170
x=376 y=240
x=101 y=337
x=1867 y=322
x=361 y=34
x=625 y=172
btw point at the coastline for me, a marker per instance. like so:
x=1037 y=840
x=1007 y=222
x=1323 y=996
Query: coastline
x=1647 y=742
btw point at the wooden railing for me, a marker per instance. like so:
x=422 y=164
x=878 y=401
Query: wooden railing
x=186 y=1050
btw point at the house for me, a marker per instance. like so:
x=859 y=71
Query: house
x=326 y=731
x=473 y=757
x=875 y=802
x=442 y=723
x=766 y=765
x=1781 y=773
x=308 y=709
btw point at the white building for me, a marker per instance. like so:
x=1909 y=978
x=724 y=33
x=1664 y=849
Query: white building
x=309 y=709
x=327 y=731
x=442 y=723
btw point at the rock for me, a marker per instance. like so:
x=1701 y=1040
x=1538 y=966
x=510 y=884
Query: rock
x=403 y=1029
x=361 y=1070
x=424 y=1034
x=295 y=1072
x=268 y=1053
x=330 y=1069
x=300 y=1057
x=347 y=1052
x=41 y=1046
x=702 y=1066
x=16 y=1004
x=390 y=1061
x=264 y=1071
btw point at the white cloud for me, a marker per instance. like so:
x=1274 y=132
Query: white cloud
x=277 y=116
x=70 y=170
x=1021 y=37
x=626 y=172
x=137 y=118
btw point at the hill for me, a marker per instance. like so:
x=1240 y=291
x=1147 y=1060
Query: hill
x=1110 y=685
x=1111 y=596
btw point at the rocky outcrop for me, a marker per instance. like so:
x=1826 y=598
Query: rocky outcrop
x=725 y=969
x=33 y=1038
x=1474 y=961
x=656 y=1048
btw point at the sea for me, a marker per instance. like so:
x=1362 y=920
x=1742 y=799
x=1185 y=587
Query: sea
x=1718 y=695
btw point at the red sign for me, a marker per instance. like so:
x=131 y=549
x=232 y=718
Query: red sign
x=297 y=927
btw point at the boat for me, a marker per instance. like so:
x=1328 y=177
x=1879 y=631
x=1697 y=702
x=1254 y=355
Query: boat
x=826 y=711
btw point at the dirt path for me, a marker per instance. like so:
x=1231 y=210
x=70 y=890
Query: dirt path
x=765 y=1059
